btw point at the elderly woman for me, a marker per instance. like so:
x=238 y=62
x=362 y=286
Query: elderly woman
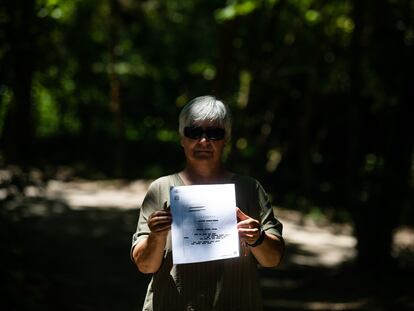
x=228 y=284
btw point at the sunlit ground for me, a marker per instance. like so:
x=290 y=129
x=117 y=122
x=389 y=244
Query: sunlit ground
x=313 y=250
x=322 y=245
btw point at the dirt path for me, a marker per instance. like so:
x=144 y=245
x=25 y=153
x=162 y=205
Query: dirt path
x=65 y=246
x=326 y=246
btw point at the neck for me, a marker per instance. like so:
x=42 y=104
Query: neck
x=199 y=175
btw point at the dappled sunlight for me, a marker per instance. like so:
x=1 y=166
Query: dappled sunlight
x=403 y=246
x=320 y=246
x=404 y=238
x=327 y=245
x=91 y=223
x=316 y=305
x=102 y=194
x=308 y=243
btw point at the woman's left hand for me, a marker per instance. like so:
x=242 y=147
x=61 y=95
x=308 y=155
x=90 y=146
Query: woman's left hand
x=249 y=228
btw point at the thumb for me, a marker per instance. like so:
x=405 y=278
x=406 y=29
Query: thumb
x=241 y=215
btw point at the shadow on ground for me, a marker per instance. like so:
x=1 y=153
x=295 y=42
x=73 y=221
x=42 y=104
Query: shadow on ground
x=57 y=258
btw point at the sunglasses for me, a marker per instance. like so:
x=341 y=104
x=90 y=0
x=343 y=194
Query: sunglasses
x=211 y=133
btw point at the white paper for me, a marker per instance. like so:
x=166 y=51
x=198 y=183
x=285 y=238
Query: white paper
x=204 y=225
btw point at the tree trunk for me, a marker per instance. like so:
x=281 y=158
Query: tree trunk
x=18 y=131
x=114 y=89
x=353 y=144
x=377 y=217
x=224 y=58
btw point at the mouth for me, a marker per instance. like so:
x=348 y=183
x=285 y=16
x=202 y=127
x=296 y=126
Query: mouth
x=207 y=153
x=203 y=151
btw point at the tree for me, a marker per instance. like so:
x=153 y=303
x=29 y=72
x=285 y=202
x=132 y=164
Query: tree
x=17 y=72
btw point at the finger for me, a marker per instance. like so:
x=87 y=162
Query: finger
x=160 y=214
x=159 y=220
x=249 y=223
x=161 y=228
x=249 y=234
x=246 y=224
x=249 y=237
x=166 y=207
x=249 y=230
x=159 y=223
x=241 y=215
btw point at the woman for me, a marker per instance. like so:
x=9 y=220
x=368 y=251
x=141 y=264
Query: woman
x=230 y=284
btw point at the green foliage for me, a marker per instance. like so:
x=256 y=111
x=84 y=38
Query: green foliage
x=5 y=96
x=47 y=111
x=320 y=93
x=310 y=84
x=236 y=8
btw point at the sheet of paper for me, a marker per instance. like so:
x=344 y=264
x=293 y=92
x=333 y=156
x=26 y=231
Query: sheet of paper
x=204 y=223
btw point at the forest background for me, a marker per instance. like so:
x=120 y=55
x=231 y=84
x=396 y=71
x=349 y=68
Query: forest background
x=320 y=93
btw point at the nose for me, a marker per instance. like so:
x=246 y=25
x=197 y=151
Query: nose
x=204 y=139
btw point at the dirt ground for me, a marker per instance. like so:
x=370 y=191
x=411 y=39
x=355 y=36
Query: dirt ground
x=65 y=246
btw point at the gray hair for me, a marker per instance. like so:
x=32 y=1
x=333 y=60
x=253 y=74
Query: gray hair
x=205 y=108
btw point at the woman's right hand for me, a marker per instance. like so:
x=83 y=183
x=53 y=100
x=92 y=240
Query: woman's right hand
x=148 y=253
x=160 y=221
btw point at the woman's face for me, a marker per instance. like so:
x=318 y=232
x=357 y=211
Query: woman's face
x=203 y=150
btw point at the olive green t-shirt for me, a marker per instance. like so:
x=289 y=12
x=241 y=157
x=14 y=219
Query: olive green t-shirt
x=228 y=284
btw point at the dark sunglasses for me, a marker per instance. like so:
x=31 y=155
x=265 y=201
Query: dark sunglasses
x=212 y=133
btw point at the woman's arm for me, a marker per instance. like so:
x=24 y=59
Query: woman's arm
x=148 y=253
x=270 y=251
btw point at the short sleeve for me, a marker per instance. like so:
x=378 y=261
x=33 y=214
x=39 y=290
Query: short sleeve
x=149 y=205
x=253 y=200
x=269 y=222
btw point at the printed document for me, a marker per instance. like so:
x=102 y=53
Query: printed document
x=204 y=225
